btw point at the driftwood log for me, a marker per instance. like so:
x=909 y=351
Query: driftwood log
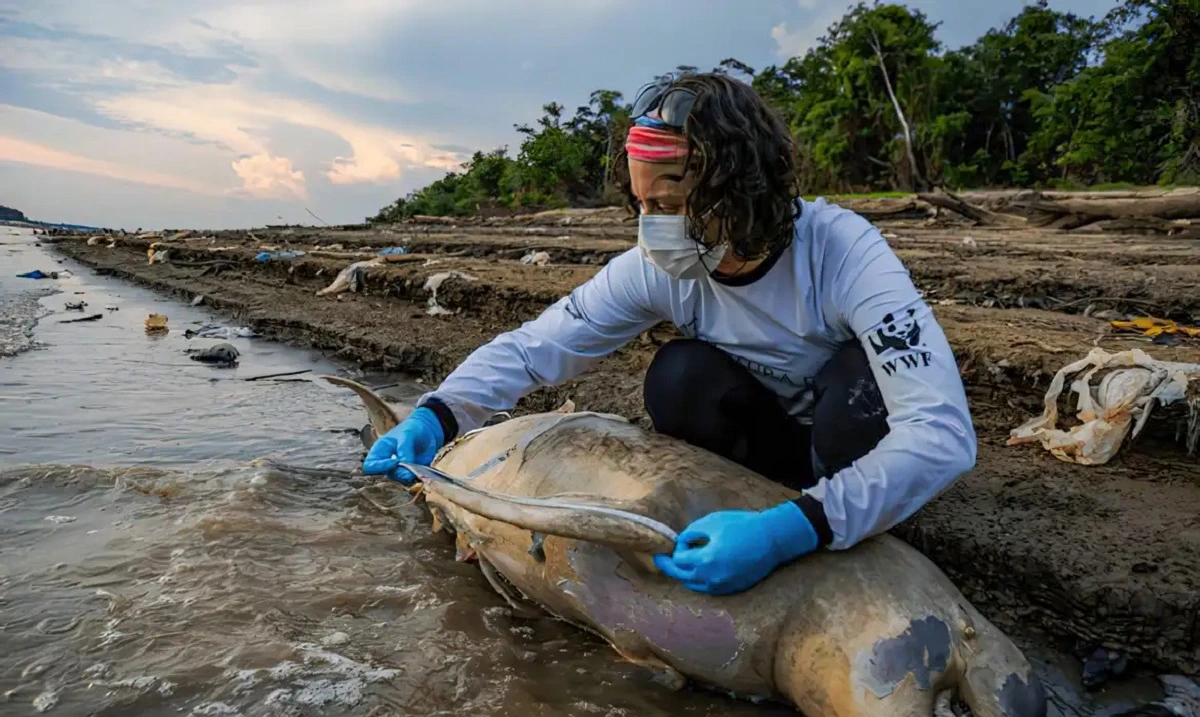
x=1074 y=212
x=979 y=215
x=1164 y=213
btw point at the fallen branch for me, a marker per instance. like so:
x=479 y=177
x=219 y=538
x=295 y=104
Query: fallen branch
x=1108 y=299
x=277 y=375
x=340 y=254
x=875 y=210
x=979 y=215
x=206 y=262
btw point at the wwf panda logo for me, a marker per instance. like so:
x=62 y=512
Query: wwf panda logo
x=899 y=332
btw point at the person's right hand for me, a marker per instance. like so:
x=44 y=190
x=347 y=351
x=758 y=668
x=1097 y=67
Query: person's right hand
x=416 y=440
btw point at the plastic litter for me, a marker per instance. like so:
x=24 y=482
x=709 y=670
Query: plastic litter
x=538 y=258
x=352 y=278
x=38 y=274
x=216 y=331
x=264 y=256
x=156 y=255
x=1148 y=326
x=1117 y=407
x=74 y=305
x=433 y=283
x=156 y=324
x=392 y=251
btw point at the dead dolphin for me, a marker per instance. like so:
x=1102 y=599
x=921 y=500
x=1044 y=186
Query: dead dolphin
x=874 y=631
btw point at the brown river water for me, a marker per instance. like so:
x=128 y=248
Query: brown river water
x=149 y=565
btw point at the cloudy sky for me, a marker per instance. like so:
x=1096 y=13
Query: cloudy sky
x=227 y=113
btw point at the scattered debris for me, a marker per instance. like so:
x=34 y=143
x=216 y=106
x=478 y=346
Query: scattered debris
x=93 y=317
x=433 y=283
x=1107 y=315
x=1122 y=401
x=539 y=258
x=198 y=300
x=156 y=323
x=278 y=375
x=46 y=701
x=970 y=243
x=1182 y=697
x=1148 y=326
x=216 y=331
x=221 y=355
x=158 y=257
x=353 y=278
x=984 y=217
x=38 y=274
x=74 y=306
x=1102 y=666
x=392 y=250
x=112 y=308
x=264 y=256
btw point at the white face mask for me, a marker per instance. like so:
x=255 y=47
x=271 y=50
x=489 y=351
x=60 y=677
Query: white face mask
x=665 y=242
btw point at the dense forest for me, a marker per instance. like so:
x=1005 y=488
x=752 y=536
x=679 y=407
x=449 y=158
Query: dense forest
x=1049 y=100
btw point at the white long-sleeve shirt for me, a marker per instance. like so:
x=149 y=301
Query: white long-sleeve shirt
x=838 y=281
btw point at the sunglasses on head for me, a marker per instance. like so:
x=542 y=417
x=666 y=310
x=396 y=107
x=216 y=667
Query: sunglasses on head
x=673 y=104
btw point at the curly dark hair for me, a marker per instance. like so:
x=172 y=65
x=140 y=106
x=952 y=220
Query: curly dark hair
x=743 y=160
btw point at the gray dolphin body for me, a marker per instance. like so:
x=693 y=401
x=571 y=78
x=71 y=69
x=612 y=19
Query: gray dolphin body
x=566 y=511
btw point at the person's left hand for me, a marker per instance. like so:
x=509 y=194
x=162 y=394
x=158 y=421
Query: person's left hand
x=732 y=550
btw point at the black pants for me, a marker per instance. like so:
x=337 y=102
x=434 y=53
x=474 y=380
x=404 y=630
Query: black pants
x=698 y=393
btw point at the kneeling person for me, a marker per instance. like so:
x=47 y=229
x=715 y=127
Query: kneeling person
x=809 y=356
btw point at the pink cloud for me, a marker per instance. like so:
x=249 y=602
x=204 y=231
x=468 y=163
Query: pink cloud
x=266 y=177
x=16 y=150
x=241 y=119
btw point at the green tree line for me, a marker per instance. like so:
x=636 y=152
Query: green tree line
x=1050 y=99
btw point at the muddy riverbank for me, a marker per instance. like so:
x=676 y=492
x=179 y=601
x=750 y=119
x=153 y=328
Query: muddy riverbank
x=1101 y=555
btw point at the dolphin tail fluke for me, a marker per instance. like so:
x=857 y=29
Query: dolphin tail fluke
x=380 y=413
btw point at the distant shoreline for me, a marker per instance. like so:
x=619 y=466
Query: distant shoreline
x=28 y=224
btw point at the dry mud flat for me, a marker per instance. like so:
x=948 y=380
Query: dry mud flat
x=1090 y=555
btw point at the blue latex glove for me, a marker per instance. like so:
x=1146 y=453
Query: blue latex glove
x=416 y=440
x=732 y=550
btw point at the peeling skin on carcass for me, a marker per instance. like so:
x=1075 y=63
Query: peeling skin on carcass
x=706 y=637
